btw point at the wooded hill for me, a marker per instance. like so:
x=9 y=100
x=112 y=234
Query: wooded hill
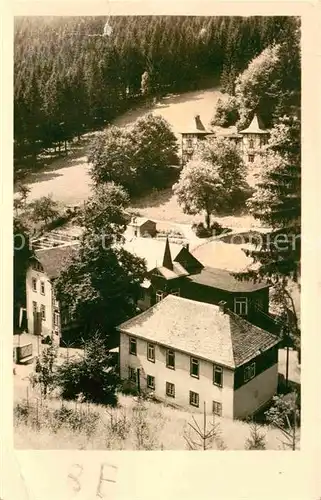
x=68 y=80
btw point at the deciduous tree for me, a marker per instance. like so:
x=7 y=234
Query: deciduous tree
x=200 y=189
x=226 y=158
x=102 y=284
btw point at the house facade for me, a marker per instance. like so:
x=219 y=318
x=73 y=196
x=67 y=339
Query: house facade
x=250 y=141
x=44 y=269
x=187 y=353
x=40 y=298
x=191 y=136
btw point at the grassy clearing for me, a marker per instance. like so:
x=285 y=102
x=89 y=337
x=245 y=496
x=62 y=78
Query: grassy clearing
x=54 y=424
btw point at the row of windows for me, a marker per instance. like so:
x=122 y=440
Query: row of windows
x=170 y=391
x=42 y=309
x=35 y=287
x=263 y=142
x=170 y=361
x=43 y=313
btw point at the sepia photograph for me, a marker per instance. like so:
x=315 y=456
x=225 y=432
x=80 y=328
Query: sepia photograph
x=157 y=233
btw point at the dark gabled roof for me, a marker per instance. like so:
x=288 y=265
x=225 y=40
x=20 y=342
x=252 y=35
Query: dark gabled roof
x=202 y=330
x=224 y=280
x=55 y=259
x=188 y=261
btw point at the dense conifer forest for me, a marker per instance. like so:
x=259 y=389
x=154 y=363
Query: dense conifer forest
x=69 y=80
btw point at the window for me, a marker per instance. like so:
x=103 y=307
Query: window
x=217 y=408
x=42 y=287
x=34 y=307
x=56 y=319
x=263 y=141
x=132 y=346
x=240 y=306
x=249 y=372
x=43 y=312
x=151 y=352
x=251 y=144
x=34 y=284
x=170 y=359
x=194 y=367
x=132 y=374
x=251 y=158
x=150 y=382
x=194 y=399
x=159 y=295
x=189 y=143
x=170 y=389
x=218 y=376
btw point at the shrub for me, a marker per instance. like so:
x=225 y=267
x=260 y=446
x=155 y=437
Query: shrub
x=93 y=377
x=216 y=229
x=75 y=420
x=44 y=374
x=256 y=440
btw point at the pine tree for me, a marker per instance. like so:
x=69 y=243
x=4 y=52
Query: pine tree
x=277 y=203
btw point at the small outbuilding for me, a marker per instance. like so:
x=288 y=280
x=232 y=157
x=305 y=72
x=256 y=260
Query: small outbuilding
x=142 y=227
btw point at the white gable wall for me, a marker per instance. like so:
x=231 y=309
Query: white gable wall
x=255 y=393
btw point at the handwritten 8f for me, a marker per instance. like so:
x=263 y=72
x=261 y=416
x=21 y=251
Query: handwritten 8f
x=85 y=489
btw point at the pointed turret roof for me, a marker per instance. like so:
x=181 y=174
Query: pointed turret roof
x=167 y=260
x=255 y=127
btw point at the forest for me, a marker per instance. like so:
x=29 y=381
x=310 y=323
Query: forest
x=69 y=80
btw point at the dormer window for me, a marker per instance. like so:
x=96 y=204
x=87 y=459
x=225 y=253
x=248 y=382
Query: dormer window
x=241 y=306
x=159 y=295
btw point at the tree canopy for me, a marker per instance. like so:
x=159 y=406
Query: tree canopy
x=68 y=80
x=225 y=156
x=277 y=201
x=200 y=189
x=138 y=158
x=101 y=286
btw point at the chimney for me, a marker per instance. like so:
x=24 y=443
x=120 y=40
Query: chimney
x=186 y=245
x=198 y=123
x=223 y=306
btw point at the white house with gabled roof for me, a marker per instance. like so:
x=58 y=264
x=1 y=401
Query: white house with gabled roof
x=188 y=352
x=43 y=270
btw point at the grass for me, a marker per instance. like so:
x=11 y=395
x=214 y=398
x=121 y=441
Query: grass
x=56 y=424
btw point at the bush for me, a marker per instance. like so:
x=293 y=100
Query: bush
x=94 y=377
x=75 y=420
x=226 y=113
x=215 y=230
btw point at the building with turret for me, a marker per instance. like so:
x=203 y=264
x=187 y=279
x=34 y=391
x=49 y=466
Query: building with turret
x=250 y=141
x=191 y=136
